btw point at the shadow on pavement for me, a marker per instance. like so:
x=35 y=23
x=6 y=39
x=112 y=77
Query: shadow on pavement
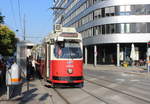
x=27 y=96
x=42 y=98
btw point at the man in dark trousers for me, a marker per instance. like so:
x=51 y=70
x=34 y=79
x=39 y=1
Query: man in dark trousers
x=29 y=68
x=2 y=72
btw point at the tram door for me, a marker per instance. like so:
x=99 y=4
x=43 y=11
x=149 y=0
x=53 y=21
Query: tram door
x=47 y=55
x=48 y=59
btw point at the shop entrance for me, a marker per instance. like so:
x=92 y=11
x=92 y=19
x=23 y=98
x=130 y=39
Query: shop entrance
x=106 y=54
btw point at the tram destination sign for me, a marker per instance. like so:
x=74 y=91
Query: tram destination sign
x=69 y=35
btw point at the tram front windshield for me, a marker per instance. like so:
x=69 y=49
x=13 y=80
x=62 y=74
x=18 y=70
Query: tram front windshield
x=67 y=50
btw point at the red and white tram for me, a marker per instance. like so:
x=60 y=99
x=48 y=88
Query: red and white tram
x=61 y=58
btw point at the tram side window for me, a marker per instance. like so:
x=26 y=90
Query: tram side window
x=67 y=50
x=58 y=49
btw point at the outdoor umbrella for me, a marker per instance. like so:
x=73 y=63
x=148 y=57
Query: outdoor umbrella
x=132 y=54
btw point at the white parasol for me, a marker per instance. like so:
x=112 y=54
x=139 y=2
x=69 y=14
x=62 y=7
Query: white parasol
x=132 y=54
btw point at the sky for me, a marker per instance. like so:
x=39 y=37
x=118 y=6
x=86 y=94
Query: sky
x=36 y=14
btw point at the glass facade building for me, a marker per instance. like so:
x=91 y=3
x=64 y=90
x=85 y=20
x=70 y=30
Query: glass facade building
x=110 y=28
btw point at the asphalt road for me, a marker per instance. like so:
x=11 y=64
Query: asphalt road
x=116 y=87
x=109 y=87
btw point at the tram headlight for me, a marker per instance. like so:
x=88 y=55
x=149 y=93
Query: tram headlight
x=70 y=71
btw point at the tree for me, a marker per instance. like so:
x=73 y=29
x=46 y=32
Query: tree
x=1 y=18
x=7 y=41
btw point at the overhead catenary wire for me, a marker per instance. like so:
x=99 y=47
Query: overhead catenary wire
x=22 y=26
x=19 y=12
x=33 y=37
x=28 y=36
x=13 y=13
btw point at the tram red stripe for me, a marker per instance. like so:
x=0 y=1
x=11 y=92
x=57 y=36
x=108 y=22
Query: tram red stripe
x=57 y=81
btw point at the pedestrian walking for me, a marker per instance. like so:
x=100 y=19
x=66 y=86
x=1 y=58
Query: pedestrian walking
x=29 y=68
x=34 y=67
x=2 y=72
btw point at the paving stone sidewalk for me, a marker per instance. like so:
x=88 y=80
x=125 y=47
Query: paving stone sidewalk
x=37 y=94
x=132 y=69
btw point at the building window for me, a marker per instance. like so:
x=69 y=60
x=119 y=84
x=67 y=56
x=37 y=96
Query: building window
x=105 y=12
x=117 y=29
x=125 y=10
x=99 y=30
x=148 y=27
x=141 y=28
x=103 y=29
x=89 y=3
x=112 y=28
x=127 y=28
x=110 y=11
x=122 y=28
x=97 y=14
x=138 y=9
x=107 y=29
x=147 y=9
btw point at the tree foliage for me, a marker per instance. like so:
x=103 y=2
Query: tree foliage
x=1 y=18
x=7 y=41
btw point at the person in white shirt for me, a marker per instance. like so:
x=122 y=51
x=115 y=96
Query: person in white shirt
x=34 y=63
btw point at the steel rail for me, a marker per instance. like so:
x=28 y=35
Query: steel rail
x=56 y=90
x=119 y=91
x=100 y=99
x=50 y=95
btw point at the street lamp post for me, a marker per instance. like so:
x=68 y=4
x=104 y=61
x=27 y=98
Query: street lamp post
x=59 y=8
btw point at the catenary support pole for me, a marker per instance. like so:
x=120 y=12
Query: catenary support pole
x=118 y=55
x=85 y=55
x=95 y=55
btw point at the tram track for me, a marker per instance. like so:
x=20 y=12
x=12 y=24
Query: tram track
x=106 y=80
x=52 y=91
x=85 y=91
x=99 y=98
x=132 y=74
x=118 y=91
x=65 y=99
x=64 y=94
x=122 y=83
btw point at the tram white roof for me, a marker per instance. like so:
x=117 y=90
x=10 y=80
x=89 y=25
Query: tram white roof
x=56 y=35
x=58 y=28
x=68 y=30
x=25 y=43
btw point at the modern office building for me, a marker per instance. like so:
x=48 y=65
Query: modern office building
x=113 y=30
